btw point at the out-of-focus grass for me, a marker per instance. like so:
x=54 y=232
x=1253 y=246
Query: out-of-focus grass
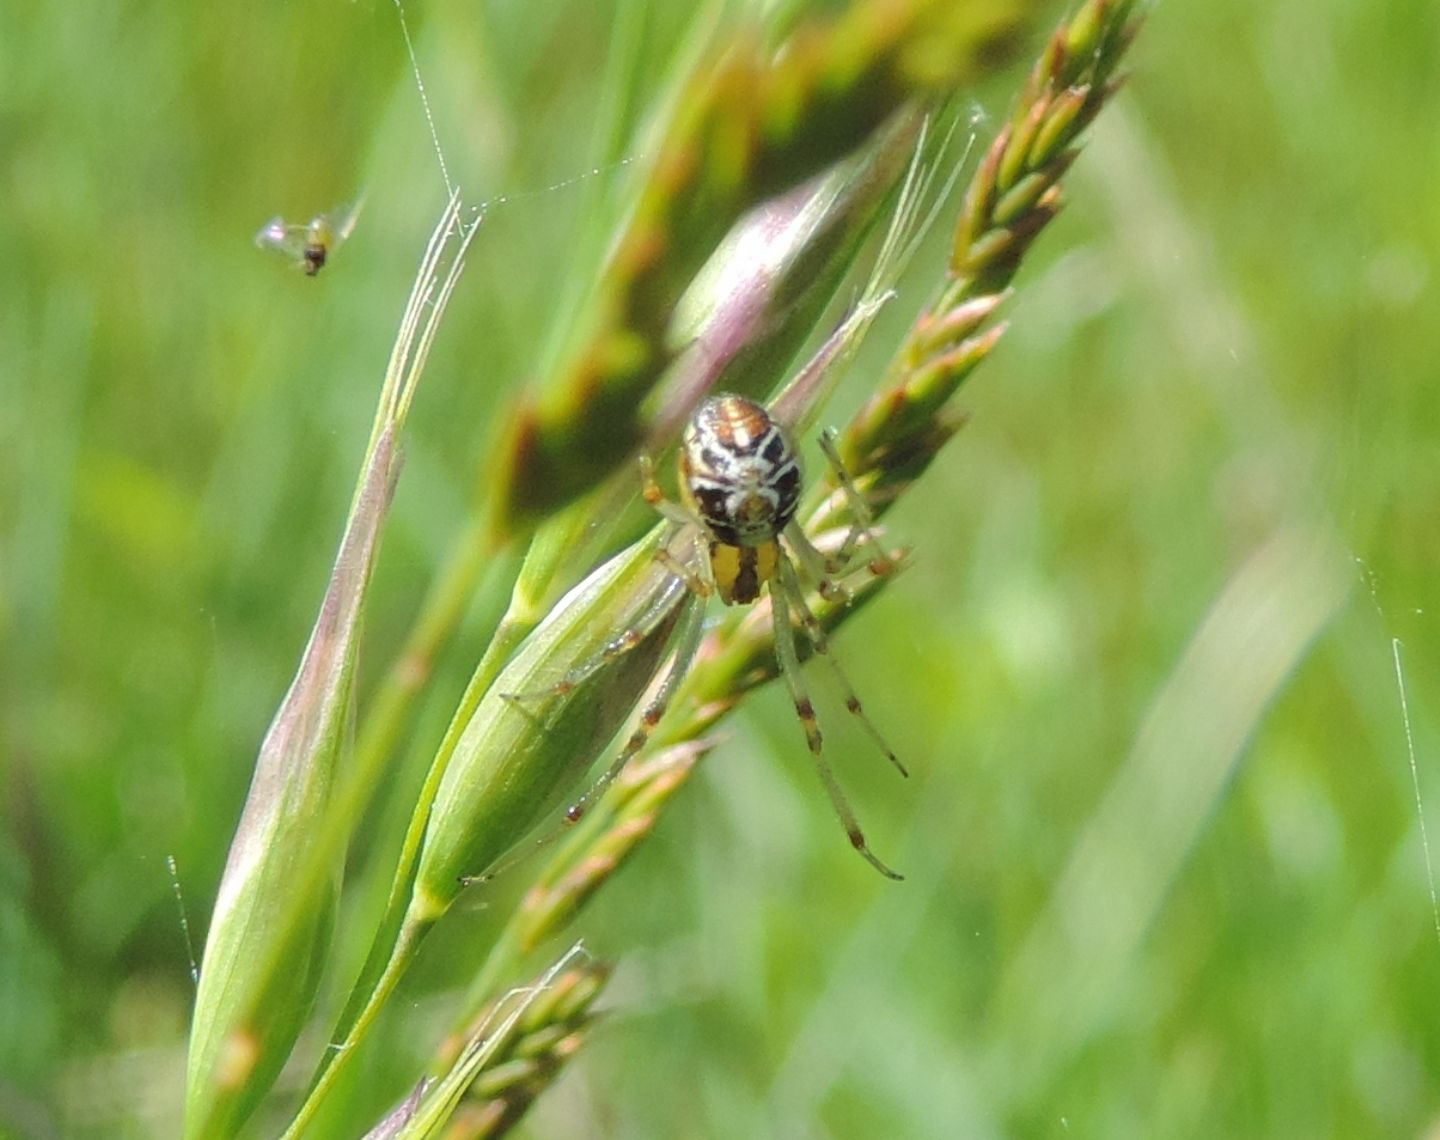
x=1164 y=860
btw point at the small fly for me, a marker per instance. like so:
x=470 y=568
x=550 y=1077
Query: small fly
x=310 y=244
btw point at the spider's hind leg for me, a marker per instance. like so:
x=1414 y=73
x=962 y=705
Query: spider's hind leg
x=820 y=642
x=780 y=599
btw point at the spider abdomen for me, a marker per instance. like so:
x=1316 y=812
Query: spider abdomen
x=739 y=472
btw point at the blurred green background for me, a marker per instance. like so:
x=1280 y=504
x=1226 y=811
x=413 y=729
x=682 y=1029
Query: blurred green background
x=1166 y=871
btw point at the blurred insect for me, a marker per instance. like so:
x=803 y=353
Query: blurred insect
x=311 y=244
x=740 y=486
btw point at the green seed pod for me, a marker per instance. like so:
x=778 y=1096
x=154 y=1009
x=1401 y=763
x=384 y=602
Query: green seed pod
x=261 y=967
x=547 y=717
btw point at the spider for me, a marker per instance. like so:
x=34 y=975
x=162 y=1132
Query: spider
x=740 y=483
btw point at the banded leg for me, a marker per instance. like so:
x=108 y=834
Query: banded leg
x=820 y=641
x=817 y=566
x=862 y=523
x=626 y=641
x=687 y=643
x=821 y=567
x=687 y=637
x=790 y=669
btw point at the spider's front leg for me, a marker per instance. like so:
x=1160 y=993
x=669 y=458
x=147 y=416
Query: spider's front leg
x=862 y=523
x=687 y=642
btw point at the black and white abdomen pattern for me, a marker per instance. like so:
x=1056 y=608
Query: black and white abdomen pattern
x=739 y=472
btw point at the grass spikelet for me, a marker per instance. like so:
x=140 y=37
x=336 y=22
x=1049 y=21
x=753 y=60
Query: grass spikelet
x=270 y=929
x=1013 y=196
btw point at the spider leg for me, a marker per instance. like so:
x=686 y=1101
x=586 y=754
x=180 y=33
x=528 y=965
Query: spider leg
x=687 y=642
x=655 y=495
x=862 y=523
x=821 y=567
x=789 y=662
x=817 y=566
x=686 y=639
x=626 y=641
x=820 y=641
x=698 y=583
